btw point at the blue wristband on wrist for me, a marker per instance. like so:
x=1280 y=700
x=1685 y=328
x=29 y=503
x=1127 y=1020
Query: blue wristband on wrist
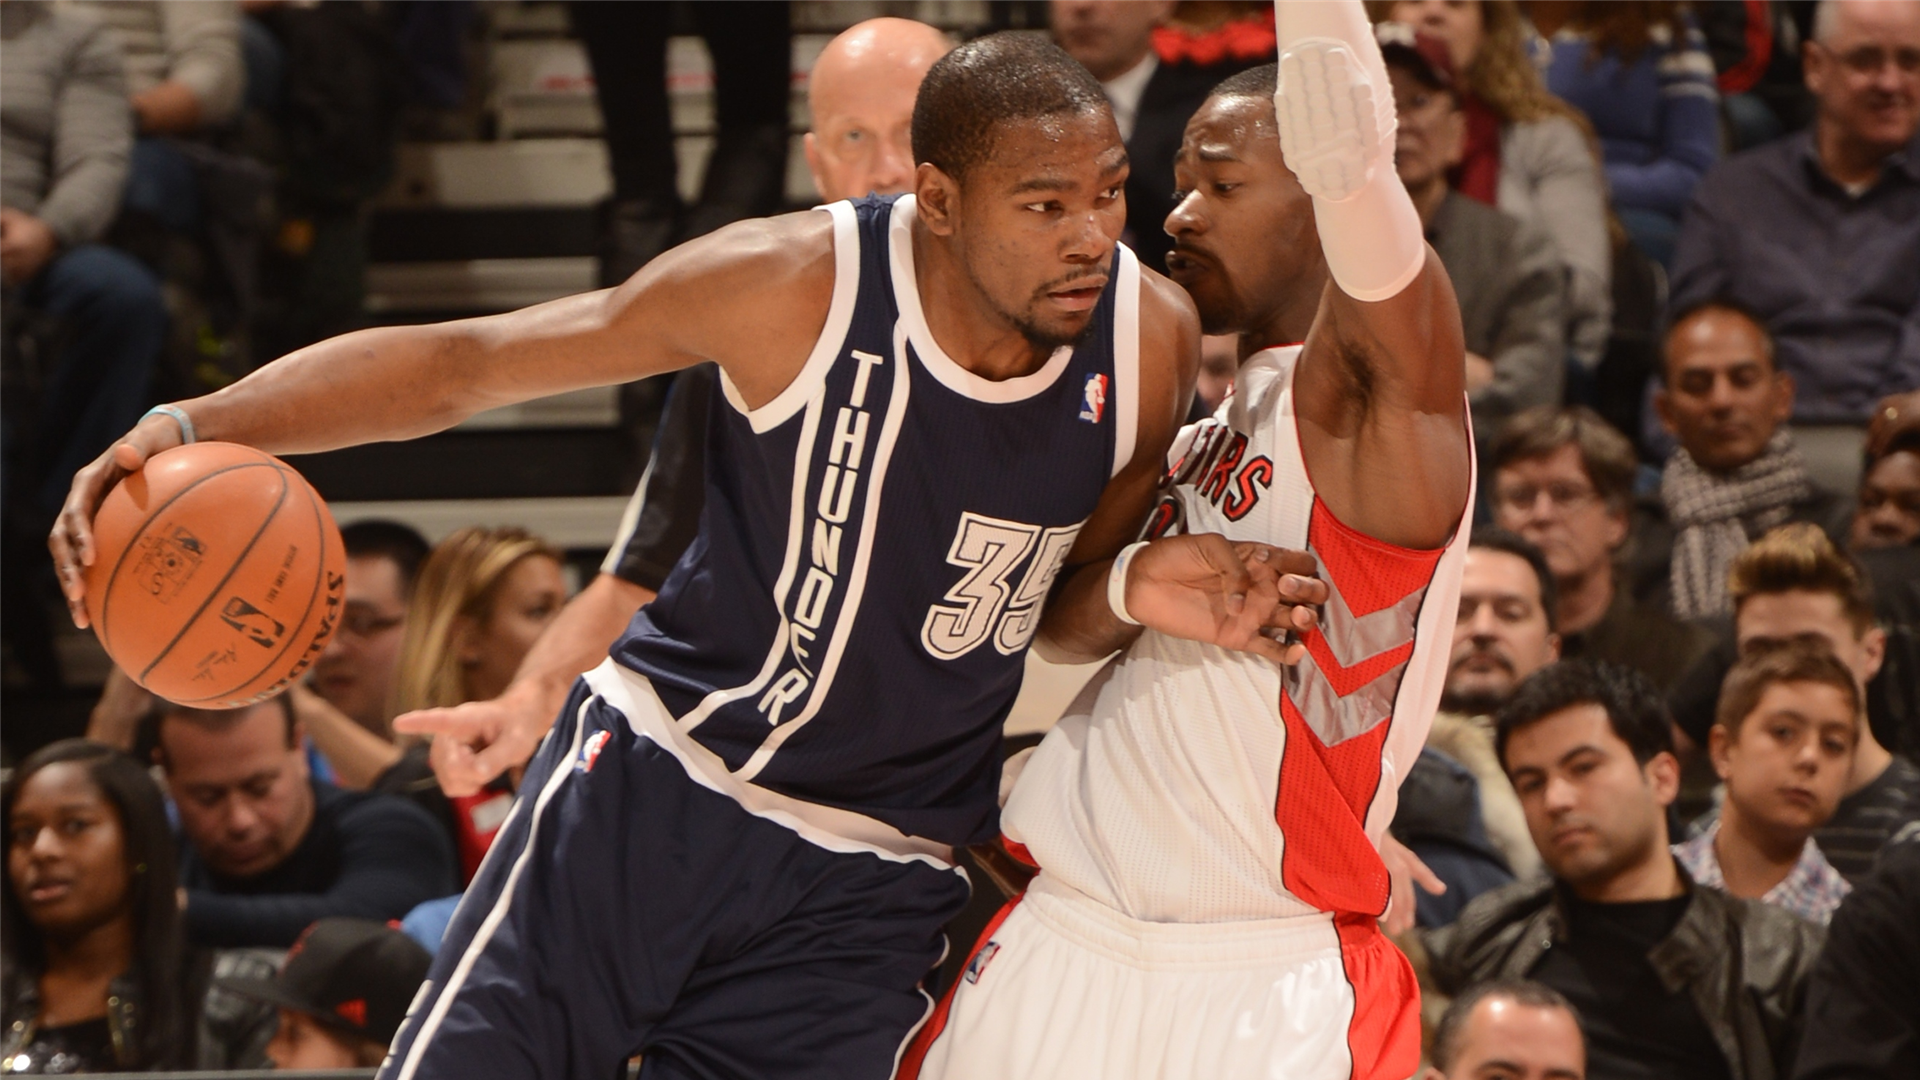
x=179 y=416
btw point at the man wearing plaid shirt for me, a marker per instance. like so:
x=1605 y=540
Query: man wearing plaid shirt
x=1782 y=742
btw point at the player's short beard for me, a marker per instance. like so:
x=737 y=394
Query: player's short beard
x=1043 y=340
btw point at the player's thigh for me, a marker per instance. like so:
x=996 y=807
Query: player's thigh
x=831 y=991
x=582 y=922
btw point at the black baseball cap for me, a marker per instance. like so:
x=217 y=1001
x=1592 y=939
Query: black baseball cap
x=355 y=976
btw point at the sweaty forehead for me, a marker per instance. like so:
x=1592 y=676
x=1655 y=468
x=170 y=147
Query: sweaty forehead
x=1234 y=128
x=1053 y=151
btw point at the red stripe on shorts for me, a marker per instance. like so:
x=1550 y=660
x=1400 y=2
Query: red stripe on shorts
x=1384 y=1035
x=924 y=1039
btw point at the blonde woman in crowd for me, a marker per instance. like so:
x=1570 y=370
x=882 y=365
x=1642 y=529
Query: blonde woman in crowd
x=1527 y=152
x=481 y=600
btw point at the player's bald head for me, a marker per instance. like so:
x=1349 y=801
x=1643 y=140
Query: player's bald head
x=861 y=95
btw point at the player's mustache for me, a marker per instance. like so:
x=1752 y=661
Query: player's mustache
x=1065 y=283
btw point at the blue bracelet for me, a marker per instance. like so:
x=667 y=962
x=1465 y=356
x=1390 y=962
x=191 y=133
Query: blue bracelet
x=179 y=416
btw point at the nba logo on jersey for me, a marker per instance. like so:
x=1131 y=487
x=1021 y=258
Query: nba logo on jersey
x=590 y=750
x=978 y=965
x=1093 y=401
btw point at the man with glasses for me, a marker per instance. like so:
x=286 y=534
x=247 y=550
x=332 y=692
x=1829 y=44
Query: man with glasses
x=1819 y=229
x=1563 y=478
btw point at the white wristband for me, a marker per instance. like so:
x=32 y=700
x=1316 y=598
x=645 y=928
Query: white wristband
x=1117 y=582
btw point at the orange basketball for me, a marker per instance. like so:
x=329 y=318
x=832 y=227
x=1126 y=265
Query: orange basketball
x=218 y=575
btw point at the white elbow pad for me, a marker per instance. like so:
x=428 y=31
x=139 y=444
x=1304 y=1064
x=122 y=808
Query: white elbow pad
x=1335 y=110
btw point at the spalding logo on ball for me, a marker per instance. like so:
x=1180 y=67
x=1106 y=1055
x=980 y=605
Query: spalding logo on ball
x=218 y=575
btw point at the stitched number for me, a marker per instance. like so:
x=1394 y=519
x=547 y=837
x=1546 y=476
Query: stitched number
x=989 y=549
x=1023 y=616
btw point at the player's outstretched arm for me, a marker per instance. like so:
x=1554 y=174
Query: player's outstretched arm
x=1381 y=392
x=752 y=297
x=477 y=741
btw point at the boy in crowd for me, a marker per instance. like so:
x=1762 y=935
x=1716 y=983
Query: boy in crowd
x=342 y=995
x=1783 y=745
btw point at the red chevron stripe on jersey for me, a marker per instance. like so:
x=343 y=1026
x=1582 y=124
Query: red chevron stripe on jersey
x=1337 y=708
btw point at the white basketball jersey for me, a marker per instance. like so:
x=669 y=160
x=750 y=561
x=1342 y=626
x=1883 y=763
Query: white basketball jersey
x=1192 y=783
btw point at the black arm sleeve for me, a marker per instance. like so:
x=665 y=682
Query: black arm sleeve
x=392 y=858
x=664 y=515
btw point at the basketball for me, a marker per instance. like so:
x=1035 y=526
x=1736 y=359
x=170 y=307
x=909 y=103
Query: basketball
x=218 y=575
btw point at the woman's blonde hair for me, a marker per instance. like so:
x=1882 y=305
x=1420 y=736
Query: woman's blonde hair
x=1502 y=73
x=458 y=580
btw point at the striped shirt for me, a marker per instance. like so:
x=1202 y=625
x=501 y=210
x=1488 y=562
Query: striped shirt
x=1811 y=890
x=65 y=128
x=1868 y=818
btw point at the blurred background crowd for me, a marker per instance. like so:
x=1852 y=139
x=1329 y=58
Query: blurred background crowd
x=1686 y=243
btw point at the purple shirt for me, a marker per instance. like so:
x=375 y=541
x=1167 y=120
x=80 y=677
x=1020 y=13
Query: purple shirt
x=1836 y=276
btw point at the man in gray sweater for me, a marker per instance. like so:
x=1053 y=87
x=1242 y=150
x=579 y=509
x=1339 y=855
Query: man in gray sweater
x=65 y=133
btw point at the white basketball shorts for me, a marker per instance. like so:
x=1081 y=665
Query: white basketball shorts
x=1063 y=987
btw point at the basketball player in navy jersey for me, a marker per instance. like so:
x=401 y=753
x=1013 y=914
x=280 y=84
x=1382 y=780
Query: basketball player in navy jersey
x=731 y=853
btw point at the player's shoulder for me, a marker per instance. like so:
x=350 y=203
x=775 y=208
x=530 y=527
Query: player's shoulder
x=786 y=249
x=1169 y=321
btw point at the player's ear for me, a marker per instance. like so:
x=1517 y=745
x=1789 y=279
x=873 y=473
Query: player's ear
x=937 y=198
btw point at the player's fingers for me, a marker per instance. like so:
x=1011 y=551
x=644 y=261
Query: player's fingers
x=497 y=757
x=1234 y=579
x=454 y=768
x=1290 y=561
x=462 y=723
x=1423 y=875
x=1302 y=589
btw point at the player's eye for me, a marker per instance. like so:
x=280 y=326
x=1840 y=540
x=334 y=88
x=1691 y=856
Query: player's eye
x=1221 y=187
x=1043 y=207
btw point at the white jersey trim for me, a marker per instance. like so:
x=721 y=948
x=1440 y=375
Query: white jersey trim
x=906 y=297
x=629 y=520
x=826 y=348
x=863 y=555
x=827 y=827
x=1126 y=358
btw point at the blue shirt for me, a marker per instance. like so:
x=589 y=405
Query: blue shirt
x=1658 y=118
x=1837 y=276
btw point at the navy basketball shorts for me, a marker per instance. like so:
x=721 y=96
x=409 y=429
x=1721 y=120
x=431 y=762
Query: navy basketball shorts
x=627 y=909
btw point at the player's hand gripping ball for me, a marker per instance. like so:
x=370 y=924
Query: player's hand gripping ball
x=219 y=575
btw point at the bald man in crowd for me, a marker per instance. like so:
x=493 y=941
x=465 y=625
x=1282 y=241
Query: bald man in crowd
x=860 y=94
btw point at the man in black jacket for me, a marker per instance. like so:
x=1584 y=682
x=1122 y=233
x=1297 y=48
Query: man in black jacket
x=1863 y=1004
x=268 y=849
x=1670 y=979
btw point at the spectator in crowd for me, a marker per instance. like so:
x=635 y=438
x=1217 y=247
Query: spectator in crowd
x=98 y=973
x=184 y=76
x=483 y=597
x=664 y=514
x=1737 y=472
x=751 y=45
x=1504 y=633
x=65 y=135
x=1152 y=101
x=1640 y=71
x=1508 y=1029
x=357 y=671
x=268 y=848
x=1783 y=745
x=347 y=704
x=1795 y=584
x=342 y=995
x=861 y=139
x=1563 y=479
x=1509 y=281
x=1863 y=1002
x=1833 y=267
x=1756 y=50
x=1888 y=513
x=1526 y=151
x=1669 y=979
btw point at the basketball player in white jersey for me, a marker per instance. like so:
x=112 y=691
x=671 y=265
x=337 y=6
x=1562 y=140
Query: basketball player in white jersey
x=1206 y=824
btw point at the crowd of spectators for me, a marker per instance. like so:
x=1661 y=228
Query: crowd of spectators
x=1672 y=789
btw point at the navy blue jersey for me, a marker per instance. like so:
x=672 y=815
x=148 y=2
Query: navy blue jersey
x=849 y=627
